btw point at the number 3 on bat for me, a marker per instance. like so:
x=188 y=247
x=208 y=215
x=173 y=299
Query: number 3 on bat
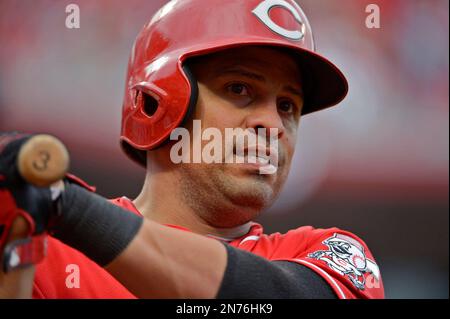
x=41 y=164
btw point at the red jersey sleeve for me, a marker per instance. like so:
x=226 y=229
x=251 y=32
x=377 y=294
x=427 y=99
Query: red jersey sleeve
x=338 y=256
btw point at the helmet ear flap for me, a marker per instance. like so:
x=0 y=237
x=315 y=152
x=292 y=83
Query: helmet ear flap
x=148 y=105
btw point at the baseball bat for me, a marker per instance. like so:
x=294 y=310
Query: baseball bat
x=43 y=160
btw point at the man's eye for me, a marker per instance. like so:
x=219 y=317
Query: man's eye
x=238 y=89
x=286 y=106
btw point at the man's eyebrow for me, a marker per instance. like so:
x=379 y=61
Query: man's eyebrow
x=243 y=72
x=294 y=91
x=257 y=77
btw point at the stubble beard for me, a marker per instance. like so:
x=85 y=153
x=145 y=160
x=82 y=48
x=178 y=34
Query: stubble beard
x=222 y=198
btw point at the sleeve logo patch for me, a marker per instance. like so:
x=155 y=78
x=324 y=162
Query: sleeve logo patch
x=346 y=257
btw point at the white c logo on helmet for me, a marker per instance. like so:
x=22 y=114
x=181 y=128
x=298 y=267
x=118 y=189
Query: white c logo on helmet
x=262 y=12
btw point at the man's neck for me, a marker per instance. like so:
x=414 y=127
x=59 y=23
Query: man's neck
x=157 y=204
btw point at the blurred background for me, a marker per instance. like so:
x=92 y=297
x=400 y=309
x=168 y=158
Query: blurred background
x=377 y=165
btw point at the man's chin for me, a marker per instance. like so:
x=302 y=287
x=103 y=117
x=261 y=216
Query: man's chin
x=250 y=190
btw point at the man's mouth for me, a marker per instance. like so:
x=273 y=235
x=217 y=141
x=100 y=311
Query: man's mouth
x=266 y=159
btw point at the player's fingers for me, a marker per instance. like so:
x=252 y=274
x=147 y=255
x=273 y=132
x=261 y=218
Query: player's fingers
x=20 y=229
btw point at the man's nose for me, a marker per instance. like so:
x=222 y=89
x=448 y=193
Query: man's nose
x=266 y=117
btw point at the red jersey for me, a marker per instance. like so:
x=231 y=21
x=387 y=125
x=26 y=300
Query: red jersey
x=339 y=257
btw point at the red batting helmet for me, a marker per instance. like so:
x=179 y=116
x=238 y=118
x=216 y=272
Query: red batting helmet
x=160 y=90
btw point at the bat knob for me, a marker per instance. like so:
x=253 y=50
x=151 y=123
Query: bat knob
x=43 y=160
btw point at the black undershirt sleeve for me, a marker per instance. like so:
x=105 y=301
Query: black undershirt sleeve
x=248 y=276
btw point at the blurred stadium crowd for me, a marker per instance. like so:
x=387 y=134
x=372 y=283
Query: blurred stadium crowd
x=377 y=165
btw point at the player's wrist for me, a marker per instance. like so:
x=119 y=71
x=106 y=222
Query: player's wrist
x=93 y=225
x=24 y=252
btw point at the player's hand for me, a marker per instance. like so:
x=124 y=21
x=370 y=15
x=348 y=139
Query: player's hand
x=17 y=197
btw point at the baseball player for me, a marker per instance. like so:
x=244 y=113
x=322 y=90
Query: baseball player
x=190 y=233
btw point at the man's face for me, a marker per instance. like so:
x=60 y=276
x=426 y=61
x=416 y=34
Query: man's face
x=247 y=88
